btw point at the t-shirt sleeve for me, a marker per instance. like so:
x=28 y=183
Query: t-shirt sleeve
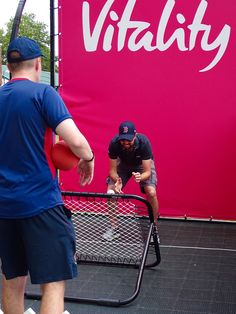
x=53 y=108
x=146 y=150
x=112 y=151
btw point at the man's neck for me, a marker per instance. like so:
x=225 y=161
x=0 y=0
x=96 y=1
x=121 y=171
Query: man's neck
x=22 y=75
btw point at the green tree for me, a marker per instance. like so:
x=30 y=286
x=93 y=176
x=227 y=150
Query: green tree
x=29 y=27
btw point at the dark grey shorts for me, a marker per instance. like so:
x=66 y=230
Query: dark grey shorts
x=125 y=173
x=43 y=245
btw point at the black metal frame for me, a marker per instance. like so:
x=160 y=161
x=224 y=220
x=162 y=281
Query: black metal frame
x=52 y=44
x=141 y=267
x=17 y=19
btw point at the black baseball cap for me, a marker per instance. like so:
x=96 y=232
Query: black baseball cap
x=127 y=131
x=25 y=48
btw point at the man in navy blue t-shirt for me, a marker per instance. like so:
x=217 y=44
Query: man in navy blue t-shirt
x=130 y=155
x=36 y=233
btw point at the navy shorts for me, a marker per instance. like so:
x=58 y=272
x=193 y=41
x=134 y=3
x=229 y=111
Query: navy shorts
x=43 y=246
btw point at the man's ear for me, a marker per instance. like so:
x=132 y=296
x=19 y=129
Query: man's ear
x=37 y=64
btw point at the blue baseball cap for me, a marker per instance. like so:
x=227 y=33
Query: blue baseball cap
x=127 y=131
x=22 y=49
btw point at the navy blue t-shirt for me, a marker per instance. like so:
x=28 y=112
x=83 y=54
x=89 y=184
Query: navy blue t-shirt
x=29 y=113
x=141 y=151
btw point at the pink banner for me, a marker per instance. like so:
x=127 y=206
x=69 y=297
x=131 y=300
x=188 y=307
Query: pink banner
x=170 y=67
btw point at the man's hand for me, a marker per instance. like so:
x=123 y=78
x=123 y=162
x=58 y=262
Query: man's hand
x=86 y=171
x=137 y=176
x=118 y=186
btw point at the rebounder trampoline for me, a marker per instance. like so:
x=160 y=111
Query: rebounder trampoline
x=135 y=248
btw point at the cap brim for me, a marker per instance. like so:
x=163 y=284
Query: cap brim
x=127 y=137
x=20 y=59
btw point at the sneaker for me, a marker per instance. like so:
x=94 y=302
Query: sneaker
x=111 y=234
x=155 y=231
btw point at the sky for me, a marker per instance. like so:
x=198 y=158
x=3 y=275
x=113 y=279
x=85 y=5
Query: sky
x=41 y=8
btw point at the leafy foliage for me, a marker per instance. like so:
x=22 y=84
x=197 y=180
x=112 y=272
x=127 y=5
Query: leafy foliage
x=31 y=28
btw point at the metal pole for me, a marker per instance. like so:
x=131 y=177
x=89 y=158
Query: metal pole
x=0 y=64
x=17 y=19
x=16 y=22
x=52 y=44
